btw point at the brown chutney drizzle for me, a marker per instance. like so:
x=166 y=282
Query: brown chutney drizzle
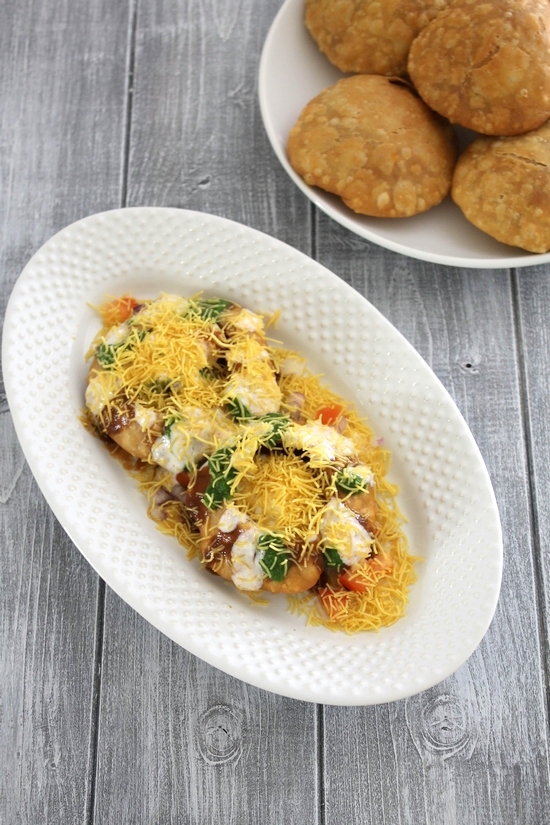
x=221 y=543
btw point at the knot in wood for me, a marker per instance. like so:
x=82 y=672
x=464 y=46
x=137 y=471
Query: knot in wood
x=220 y=735
x=445 y=723
x=442 y=728
x=469 y=365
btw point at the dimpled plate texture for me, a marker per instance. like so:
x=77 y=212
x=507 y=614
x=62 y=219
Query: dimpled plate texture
x=445 y=490
x=292 y=71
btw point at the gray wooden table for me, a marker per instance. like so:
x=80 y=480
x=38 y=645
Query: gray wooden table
x=109 y=103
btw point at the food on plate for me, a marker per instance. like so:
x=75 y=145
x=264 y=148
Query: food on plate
x=370 y=140
x=369 y=37
x=272 y=480
x=486 y=65
x=502 y=184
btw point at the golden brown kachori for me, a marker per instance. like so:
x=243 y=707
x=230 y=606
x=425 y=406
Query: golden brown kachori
x=485 y=64
x=502 y=185
x=366 y=36
x=373 y=142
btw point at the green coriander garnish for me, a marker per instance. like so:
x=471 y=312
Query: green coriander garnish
x=222 y=475
x=169 y=423
x=275 y=556
x=349 y=482
x=207 y=373
x=279 y=424
x=209 y=309
x=237 y=410
x=106 y=354
x=332 y=558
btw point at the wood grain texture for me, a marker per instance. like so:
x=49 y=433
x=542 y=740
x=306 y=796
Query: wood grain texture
x=197 y=140
x=47 y=621
x=104 y=720
x=63 y=89
x=533 y=290
x=63 y=92
x=474 y=748
x=180 y=741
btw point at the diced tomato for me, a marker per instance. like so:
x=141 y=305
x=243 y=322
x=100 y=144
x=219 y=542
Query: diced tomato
x=329 y=415
x=355 y=582
x=334 y=602
x=118 y=311
x=382 y=563
x=362 y=577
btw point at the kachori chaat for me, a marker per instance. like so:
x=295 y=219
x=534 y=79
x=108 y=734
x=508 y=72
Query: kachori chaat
x=266 y=475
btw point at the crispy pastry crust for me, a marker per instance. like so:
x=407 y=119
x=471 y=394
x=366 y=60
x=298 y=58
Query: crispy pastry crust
x=372 y=141
x=366 y=36
x=485 y=64
x=503 y=187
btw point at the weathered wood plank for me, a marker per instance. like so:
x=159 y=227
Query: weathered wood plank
x=62 y=86
x=473 y=749
x=533 y=289
x=180 y=741
x=47 y=620
x=197 y=137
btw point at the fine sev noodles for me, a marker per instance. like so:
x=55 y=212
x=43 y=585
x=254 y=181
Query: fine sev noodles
x=284 y=494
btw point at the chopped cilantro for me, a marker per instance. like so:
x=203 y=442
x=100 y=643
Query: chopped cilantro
x=222 y=473
x=332 y=558
x=275 y=556
x=207 y=373
x=106 y=353
x=209 y=309
x=221 y=476
x=349 y=482
x=279 y=424
x=160 y=386
x=237 y=410
x=169 y=423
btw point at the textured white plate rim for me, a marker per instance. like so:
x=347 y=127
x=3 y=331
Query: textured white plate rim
x=280 y=682
x=275 y=45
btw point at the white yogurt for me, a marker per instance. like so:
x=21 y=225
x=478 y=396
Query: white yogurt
x=319 y=441
x=341 y=530
x=247 y=571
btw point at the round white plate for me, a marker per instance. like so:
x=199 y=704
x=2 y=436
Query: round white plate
x=292 y=72
x=444 y=487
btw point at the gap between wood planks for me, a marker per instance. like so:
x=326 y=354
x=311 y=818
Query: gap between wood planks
x=100 y=615
x=542 y=619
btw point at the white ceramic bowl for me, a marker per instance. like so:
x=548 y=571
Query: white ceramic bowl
x=445 y=491
x=292 y=72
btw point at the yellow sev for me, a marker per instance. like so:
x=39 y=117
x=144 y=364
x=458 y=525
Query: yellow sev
x=172 y=354
x=279 y=491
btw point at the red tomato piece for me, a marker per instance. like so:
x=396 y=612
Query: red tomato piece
x=335 y=603
x=370 y=571
x=118 y=311
x=356 y=583
x=330 y=414
x=382 y=564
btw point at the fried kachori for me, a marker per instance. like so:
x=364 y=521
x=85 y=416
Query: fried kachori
x=369 y=37
x=502 y=185
x=485 y=64
x=373 y=142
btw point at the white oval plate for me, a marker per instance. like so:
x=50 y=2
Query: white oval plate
x=444 y=487
x=292 y=72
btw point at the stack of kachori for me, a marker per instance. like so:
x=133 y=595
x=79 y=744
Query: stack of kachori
x=369 y=37
x=385 y=146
